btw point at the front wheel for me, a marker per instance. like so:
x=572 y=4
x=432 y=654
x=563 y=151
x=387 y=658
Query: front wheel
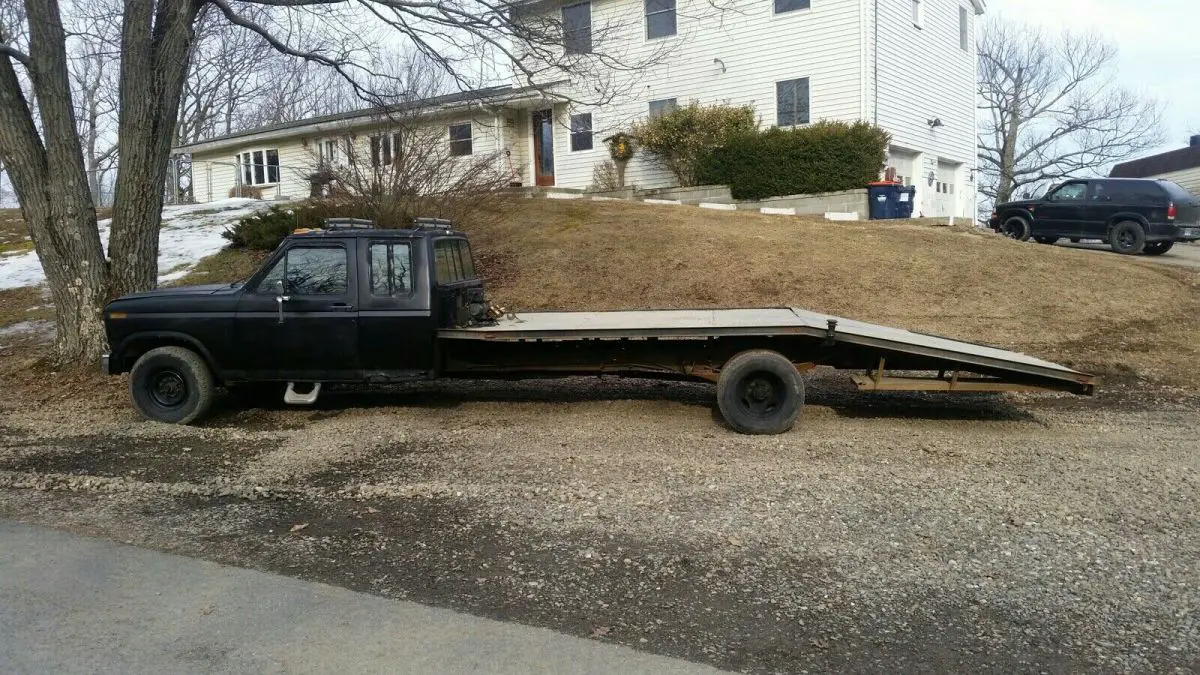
x=1127 y=238
x=760 y=392
x=1158 y=247
x=171 y=384
x=1016 y=228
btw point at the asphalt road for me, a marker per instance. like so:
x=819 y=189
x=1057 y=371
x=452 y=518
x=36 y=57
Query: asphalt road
x=74 y=604
x=1182 y=255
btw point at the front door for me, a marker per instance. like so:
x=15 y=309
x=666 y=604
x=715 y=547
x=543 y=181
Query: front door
x=543 y=147
x=309 y=332
x=1063 y=211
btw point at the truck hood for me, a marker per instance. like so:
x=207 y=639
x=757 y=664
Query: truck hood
x=1019 y=204
x=181 y=291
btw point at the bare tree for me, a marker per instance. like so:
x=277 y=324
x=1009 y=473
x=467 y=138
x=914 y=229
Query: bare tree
x=94 y=50
x=1051 y=109
x=40 y=143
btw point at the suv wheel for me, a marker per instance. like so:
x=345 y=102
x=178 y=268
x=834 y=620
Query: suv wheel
x=171 y=384
x=1127 y=238
x=1158 y=247
x=1017 y=228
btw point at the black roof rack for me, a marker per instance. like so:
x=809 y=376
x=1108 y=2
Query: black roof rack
x=348 y=224
x=432 y=224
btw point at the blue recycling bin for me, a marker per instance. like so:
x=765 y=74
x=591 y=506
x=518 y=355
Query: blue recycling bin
x=883 y=200
x=907 y=196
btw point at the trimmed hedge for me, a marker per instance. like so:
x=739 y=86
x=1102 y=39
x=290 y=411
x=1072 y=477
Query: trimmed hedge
x=823 y=157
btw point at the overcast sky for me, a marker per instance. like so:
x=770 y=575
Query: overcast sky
x=1159 y=43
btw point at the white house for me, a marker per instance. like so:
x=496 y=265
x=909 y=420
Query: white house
x=907 y=65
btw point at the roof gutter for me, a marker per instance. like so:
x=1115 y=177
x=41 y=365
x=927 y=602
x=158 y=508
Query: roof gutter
x=980 y=6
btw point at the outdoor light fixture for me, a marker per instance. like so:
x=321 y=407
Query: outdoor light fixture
x=934 y=123
x=720 y=62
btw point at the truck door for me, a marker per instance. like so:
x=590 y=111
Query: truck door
x=1063 y=211
x=308 y=329
x=396 y=332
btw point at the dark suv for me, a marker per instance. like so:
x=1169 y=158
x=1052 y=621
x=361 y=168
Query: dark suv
x=1132 y=215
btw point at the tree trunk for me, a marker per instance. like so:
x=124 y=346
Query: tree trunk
x=154 y=64
x=1008 y=157
x=55 y=201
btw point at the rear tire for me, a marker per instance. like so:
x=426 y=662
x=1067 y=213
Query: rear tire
x=760 y=392
x=1046 y=240
x=1127 y=238
x=171 y=384
x=1017 y=228
x=1158 y=247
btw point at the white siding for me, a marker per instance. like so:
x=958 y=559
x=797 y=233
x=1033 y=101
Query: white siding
x=1188 y=179
x=923 y=74
x=757 y=47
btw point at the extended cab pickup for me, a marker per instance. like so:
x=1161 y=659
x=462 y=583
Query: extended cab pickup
x=352 y=304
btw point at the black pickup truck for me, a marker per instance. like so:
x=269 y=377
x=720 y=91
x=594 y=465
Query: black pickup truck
x=351 y=304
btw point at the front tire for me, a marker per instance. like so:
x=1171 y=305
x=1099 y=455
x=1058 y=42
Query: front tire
x=171 y=384
x=760 y=392
x=1158 y=247
x=1127 y=238
x=1017 y=228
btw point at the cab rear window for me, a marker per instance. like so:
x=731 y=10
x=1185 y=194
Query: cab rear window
x=452 y=261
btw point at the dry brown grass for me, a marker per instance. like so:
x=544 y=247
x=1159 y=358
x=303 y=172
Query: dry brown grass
x=1109 y=314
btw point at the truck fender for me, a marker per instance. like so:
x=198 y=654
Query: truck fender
x=140 y=343
x=1124 y=216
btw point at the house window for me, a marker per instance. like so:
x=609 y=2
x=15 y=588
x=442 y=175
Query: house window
x=581 y=132
x=660 y=18
x=259 y=167
x=964 y=22
x=918 y=13
x=791 y=102
x=460 y=139
x=782 y=6
x=660 y=107
x=327 y=151
x=577 y=28
x=385 y=149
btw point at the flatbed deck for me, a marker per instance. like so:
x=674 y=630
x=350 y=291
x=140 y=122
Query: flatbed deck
x=953 y=355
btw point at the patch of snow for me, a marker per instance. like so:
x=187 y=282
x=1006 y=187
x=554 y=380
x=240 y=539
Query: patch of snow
x=41 y=329
x=189 y=232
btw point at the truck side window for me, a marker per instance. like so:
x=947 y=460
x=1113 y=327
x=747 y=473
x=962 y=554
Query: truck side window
x=465 y=261
x=444 y=262
x=309 y=271
x=391 y=269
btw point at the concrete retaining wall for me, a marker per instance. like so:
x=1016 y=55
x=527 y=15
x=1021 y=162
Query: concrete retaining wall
x=849 y=201
x=713 y=194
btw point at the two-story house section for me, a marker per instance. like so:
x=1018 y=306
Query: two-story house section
x=907 y=65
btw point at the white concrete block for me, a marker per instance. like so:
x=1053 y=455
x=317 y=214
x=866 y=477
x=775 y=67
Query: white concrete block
x=662 y=201
x=563 y=195
x=607 y=199
x=718 y=207
x=841 y=215
x=777 y=212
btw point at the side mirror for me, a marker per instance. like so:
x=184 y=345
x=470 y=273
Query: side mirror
x=280 y=298
x=279 y=287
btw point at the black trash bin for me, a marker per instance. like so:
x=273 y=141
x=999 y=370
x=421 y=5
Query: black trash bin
x=883 y=199
x=907 y=196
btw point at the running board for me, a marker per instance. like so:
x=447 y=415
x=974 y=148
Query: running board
x=291 y=397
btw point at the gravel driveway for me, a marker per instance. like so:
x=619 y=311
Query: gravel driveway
x=885 y=533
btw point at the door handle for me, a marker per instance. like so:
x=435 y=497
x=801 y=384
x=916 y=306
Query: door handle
x=279 y=300
x=341 y=307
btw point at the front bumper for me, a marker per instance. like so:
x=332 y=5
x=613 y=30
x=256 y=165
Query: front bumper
x=105 y=363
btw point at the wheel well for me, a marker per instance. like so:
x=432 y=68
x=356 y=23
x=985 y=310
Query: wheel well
x=134 y=347
x=1124 y=217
